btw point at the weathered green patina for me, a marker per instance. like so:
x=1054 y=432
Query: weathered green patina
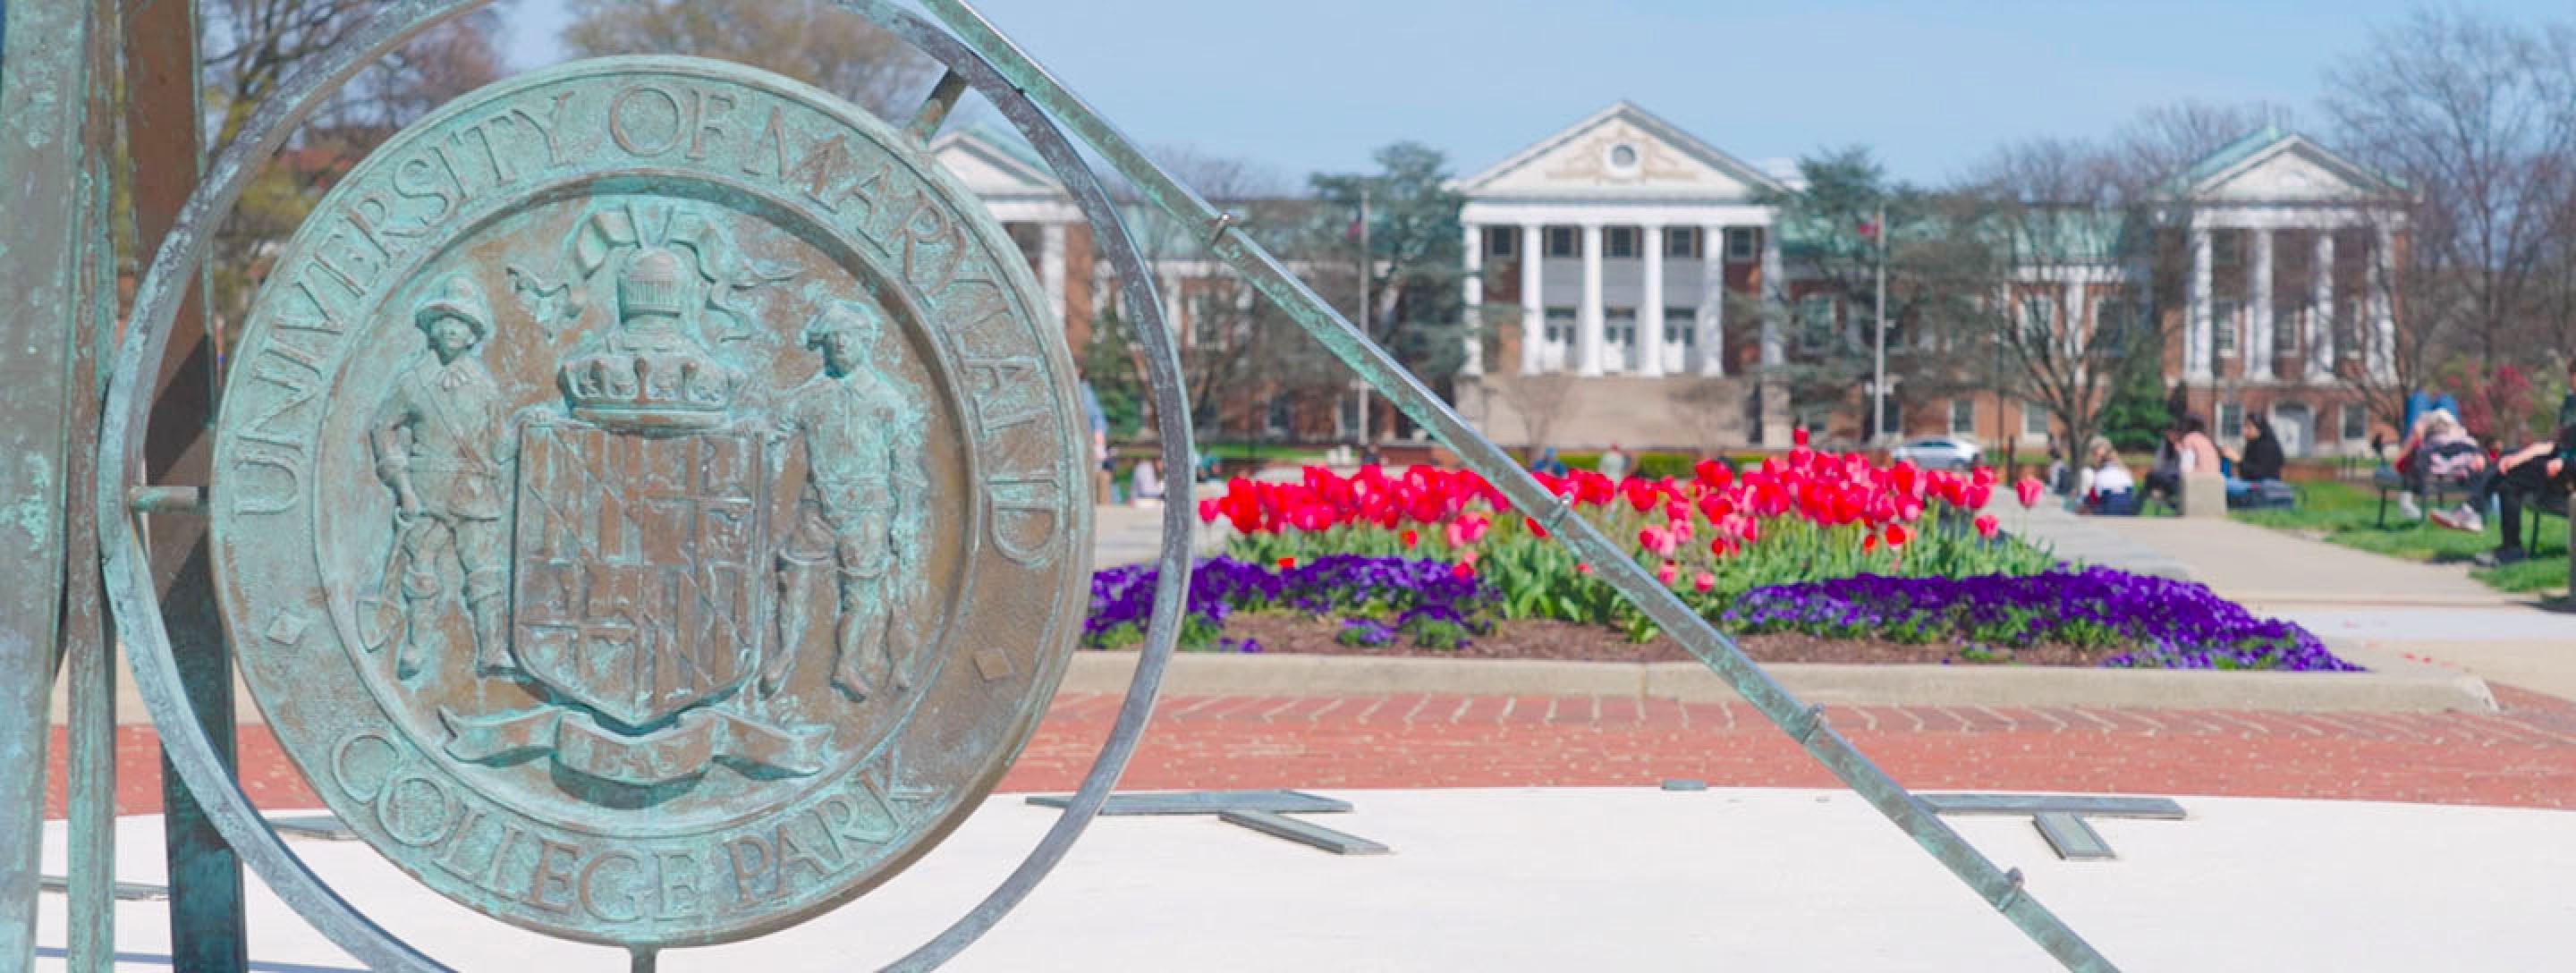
x=53 y=186
x=649 y=501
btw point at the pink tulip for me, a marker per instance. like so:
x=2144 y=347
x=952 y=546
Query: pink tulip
x=1704 y=582
x=1668 y=572
x=2028 y=490
x=1987 y=525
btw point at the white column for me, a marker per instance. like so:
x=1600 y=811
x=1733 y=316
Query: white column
x=2379 y=345
x=1533 y=313
x=2321 y=298
x=1172 y=307
x=1650 y=307
x=1775 y=299
x=2197 y=351
x=1474 y=314
x=2258 y=359
x=1051 y=266
x=2071 y=333
x=1712 y=301
x=1589 y=323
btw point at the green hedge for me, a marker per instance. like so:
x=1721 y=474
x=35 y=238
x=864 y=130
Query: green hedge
x=1656 y=464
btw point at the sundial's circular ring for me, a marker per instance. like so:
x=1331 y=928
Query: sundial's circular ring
x=144 y=344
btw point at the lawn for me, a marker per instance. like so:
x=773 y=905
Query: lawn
x=2347 y=514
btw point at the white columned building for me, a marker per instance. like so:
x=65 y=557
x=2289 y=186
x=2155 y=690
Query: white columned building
x=2241 y=205
x=1619 y=236
x=1025 y=197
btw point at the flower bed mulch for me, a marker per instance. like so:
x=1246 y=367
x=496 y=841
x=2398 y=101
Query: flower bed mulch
x=1285 y=632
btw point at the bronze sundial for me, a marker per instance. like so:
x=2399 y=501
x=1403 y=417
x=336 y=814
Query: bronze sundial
x=650 y=507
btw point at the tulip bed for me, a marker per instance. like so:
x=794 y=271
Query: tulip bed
x=1811 y=542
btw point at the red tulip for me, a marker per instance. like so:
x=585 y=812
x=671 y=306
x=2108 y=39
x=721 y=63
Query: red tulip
x=1409 y=538
x=1987 y=525
x=1287 y=562
x=2028 y=490
x=1798 y=436
x=1897 y=535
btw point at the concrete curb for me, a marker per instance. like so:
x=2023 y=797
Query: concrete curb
x=2408 y=688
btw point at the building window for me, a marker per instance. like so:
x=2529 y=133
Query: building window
x=2110 y=325
x=2038 y=321
x=2034 y=420
x=2285 y=332
x=1739 y=244
x=2356 y=422
x=2223 y=327
x=2347 y=327
x=1963 y=417
x=1502 y=241
x=1560 y=325
x=1564 y=241
x=1619 y=329
x=1619 y=241
x=1681 y=326
x=1280 y=416
x=1817 y=310
x=1681 y=241
x=2231 y=420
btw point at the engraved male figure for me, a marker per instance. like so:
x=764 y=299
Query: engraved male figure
x=861 y=506
x=434 y=438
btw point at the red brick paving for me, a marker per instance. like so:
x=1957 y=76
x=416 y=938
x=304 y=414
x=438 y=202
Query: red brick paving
x=2523 y=756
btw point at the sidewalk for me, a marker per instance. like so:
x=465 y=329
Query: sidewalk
x=2250 y=563
x=1632 y=878
x=2380 y=607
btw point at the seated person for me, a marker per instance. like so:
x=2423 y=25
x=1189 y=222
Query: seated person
x=2262 y=458
x=2109 y=486
x=1145 y=484
x=2165 y=477
x=2525 y=474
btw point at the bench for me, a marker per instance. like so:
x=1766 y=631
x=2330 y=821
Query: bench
x=2436 y=490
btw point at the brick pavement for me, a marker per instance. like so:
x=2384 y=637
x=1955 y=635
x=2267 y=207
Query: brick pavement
x=2524 y=755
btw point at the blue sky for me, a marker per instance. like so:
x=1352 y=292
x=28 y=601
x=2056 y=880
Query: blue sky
x=1932 y=86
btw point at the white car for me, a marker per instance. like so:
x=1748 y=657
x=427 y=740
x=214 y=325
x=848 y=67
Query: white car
x=1937 y=452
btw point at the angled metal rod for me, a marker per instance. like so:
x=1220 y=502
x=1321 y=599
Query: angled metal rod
x=1352 y=345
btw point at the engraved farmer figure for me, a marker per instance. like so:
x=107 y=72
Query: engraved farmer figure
x=435 y=439
x=861 y=507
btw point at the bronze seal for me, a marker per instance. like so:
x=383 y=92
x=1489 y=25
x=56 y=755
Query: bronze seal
x=650 y=502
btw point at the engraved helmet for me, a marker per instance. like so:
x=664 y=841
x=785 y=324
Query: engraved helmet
x=655 y=282
x=456 y=297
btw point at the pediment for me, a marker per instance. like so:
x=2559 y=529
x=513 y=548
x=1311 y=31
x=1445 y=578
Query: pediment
x=1621 y=151
x=989 y=170
x=2293 y=170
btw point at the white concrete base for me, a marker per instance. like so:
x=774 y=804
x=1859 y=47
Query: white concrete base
x=1594 y=879
x=2204 y=495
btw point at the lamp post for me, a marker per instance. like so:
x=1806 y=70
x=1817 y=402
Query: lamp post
x=1878 y=367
